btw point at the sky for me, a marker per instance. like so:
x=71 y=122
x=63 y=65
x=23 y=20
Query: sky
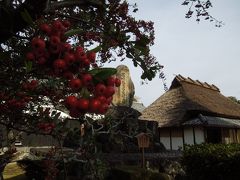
x=196 y=50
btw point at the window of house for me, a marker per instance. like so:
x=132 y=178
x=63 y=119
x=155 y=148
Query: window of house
x=214 y=135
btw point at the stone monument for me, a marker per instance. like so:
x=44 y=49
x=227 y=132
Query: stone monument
x=125 y=93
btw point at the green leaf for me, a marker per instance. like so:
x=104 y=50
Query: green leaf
x=103 y=73
x=96 y=49
x=98 y=70
x=85 y=93
x=73 y=32
x=26 y=16
x=28 y=66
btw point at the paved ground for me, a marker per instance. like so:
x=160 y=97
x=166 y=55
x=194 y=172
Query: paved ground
x=13 y=170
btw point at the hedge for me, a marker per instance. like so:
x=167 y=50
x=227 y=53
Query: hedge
x=212 y=161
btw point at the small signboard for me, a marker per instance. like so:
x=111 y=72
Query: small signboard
x=143 y=140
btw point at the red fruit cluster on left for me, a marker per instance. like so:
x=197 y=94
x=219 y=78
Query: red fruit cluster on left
x=51 y=52
x=51 y=49
x=14 y=103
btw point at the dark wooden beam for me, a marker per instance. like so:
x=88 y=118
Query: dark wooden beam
x=194 y=137
x=170 y=135
x=183 y=137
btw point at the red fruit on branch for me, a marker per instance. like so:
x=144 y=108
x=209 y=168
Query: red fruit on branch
x=54 y=40
x=109 y=100
x=79 y=50
x=100 y=89
x=68 y=75
x=57 y=25
x=59 y=64
x=94 y=105
x=83 y=104
x=75 y=84
x=102 y=99
x=38 y=43
x=117 y=82
x=34 y=83
x=103 y=108
x=66 y=47
x=40 y=52
x=111 y=81
x=86 y=79
x=85 y=62
x=79 y=53
x=110 y=90
x=55 y=49
x=24 y=86
x=69 y=58
x=66 y=23
x=71 y=102
x=41 y=60
x=45 y=28
x=91 y=56
x=30 y=56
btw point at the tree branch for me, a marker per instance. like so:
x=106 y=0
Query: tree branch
x=70 y=3
x=12 y=20
x=24 y=130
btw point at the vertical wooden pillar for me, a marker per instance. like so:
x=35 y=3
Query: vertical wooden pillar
x=159 y=133
x=170 y=134
x=237 y=135
x=205 y=134
x=194 y=137
x=143 y=158
x=236 y=140
x=183 y=137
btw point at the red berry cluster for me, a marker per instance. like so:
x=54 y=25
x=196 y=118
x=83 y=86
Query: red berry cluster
x=99 y=100
x=14 y=103
x=53 y=54
x=51 y=49
x=30 y=86
x=46 y=127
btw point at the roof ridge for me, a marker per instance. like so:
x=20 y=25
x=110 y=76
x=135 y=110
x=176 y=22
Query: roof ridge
x=189 y=80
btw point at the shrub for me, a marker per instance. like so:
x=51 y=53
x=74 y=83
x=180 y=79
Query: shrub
x=135 y=173
x=212 y=161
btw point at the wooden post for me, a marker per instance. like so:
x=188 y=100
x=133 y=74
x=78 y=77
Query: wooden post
x=183 y=137
x=194 y=137
x=170 y=134
x=143 y=158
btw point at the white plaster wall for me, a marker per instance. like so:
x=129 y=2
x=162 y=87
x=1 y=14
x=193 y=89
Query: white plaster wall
x=177 y=142
x=188 y=136
x=166 y=142
x=199 y=135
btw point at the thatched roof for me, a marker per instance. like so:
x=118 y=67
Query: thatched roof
x=186 y=99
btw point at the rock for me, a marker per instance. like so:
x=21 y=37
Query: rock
x=125 y=93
